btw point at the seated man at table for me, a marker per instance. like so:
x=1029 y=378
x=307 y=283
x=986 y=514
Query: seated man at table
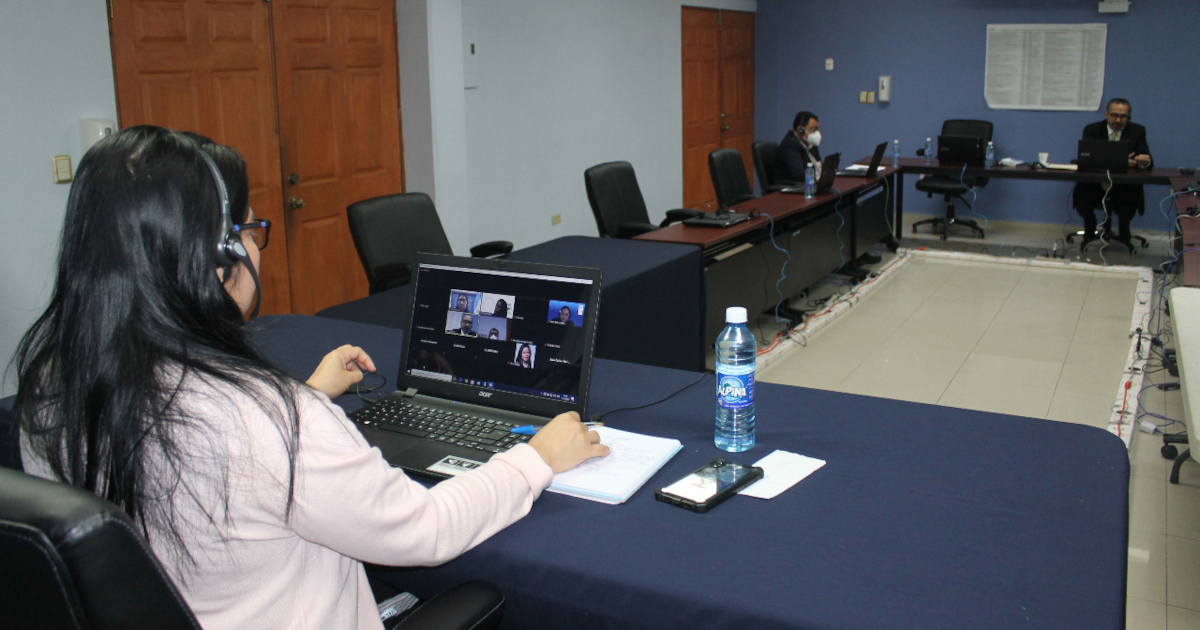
x=1121 y=199
x=798 y=149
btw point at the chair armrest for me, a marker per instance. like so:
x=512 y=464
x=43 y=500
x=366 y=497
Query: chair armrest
x=390 y=277
x=680 y=214
x=471 y=605
x=491 y=248
x=630 y=230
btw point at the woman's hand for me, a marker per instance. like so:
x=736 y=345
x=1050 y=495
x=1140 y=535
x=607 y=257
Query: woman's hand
x=566 y=442
x=339 y=370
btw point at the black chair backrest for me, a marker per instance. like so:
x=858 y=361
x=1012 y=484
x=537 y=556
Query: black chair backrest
x=729 y=176
x=615 y=196
x=388 y=233
x=764 y=160
x=968 y=129
x=75 y=561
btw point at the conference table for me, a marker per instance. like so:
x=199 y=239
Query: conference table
x=923 y=516
x=788 y=244
x=649 y=307
x=916 y=166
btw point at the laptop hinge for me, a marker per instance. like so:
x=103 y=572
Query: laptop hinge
x=410 y=392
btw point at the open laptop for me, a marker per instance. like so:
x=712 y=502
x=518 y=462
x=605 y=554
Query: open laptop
x=876 y=160
x=490 y=345
x=829 y=170
x=1104 y=155
x=960 y=150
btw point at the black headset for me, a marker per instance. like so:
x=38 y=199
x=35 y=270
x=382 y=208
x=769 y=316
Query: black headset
x=230 y=249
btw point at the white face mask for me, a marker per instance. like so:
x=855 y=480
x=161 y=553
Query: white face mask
x=814 y=139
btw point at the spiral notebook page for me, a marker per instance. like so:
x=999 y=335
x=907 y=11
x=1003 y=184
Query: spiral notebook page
x=614 y=478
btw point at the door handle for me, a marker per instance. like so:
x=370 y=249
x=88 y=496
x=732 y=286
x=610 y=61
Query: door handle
x=295 y=203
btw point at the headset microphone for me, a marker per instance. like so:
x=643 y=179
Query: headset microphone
x=230 y=248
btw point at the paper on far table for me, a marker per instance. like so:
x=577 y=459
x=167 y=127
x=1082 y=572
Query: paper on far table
x=857 y=167
x=783 y=470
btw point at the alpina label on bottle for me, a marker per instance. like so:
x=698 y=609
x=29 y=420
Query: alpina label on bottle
x=735 y=386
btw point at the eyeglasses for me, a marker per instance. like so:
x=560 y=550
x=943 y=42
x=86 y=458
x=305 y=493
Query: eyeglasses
x=258 y=231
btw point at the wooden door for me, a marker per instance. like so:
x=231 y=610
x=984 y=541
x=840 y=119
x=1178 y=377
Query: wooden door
x=718 y=95
x=192 y=65
x=701 y=104
x=737 y=85
x=339 y=116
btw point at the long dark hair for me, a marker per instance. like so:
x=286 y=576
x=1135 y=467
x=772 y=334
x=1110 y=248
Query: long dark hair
x=137 y=312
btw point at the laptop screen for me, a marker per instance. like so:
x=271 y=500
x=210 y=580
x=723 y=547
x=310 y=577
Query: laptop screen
x=502 y=333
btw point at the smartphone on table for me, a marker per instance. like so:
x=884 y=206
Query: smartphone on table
x=707 y=486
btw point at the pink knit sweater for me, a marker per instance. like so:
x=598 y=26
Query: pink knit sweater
x=254 y=568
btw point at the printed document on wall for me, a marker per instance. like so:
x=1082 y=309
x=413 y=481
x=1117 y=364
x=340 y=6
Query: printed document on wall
x=1045 y=66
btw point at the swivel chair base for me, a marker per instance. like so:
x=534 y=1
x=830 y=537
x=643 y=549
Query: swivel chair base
x=946 y=223
x=1084 y=241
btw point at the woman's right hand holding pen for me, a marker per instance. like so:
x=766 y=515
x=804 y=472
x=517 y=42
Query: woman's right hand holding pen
x=566 y=442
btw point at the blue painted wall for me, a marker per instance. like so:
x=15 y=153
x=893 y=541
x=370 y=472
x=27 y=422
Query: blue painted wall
x=935 y=52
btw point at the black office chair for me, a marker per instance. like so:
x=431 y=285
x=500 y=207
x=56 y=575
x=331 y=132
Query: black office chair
x=952 y=187
x=73 y=561
x=390 y=231
x=764 y=152
x=729 y=177
x=617 y=202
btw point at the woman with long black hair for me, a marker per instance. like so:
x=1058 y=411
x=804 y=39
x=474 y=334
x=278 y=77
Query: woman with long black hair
x=138 y=383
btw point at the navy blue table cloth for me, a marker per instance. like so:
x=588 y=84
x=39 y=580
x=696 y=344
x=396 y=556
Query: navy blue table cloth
x=924 y=517
x=651 y=308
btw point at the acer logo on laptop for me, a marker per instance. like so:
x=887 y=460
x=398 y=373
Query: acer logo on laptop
x=485 y=394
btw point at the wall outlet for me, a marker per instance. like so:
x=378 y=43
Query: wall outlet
x=555 y=219
x=829 y=63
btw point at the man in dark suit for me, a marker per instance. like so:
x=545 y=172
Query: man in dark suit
x=1122 y=200
x=798 y=149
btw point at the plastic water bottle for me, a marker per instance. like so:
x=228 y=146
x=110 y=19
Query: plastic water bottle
x=928 y=151
x=895 y=153
x=736 y=349
x=810 y=183
x=989 y=158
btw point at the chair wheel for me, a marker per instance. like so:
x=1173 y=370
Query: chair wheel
x=943 y=236
x=1169 y=451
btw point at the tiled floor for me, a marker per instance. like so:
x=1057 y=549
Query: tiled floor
x=1044 y=343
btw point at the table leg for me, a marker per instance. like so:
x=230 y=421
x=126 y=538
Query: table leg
x=898 y=186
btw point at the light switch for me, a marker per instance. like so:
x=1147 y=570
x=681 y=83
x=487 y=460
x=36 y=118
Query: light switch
x=62 y=169
x=870 y=97
x=829 y=63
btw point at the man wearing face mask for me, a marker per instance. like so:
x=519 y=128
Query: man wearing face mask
x=798 y=149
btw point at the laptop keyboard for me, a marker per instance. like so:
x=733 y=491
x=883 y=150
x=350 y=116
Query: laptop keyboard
x=461 y=429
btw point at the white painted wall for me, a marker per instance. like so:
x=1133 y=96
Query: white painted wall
x=55 y=68
x=564 y=85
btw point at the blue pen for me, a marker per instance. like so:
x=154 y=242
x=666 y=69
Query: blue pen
x=529 y=429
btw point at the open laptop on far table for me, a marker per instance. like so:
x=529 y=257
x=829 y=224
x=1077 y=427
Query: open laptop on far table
x=960 y=150
x=876 y=160
x=828 y=171
x=491 y=345
x=1104 y=155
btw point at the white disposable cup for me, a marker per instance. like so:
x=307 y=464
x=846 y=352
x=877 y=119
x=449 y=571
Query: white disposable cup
x=1044 y=158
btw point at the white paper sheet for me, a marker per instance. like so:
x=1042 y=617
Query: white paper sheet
x=783 y=470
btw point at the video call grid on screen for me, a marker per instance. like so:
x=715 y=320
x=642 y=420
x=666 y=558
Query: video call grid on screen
x=499 y=330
